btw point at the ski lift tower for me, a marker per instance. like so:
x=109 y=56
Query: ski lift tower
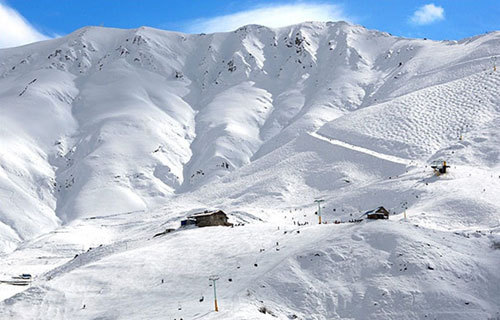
x=318 y=201
x=213 y=279
x=439 y=167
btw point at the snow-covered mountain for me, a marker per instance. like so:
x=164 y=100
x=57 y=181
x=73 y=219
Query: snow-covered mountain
x=110 y=136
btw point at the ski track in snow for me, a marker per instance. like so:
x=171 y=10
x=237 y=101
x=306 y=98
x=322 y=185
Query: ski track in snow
x=361 y=149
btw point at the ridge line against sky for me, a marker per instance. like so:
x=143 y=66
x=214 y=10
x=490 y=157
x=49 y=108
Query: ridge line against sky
x=273 y=16
x=28 y=21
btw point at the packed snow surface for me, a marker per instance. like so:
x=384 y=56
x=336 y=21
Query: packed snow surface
x=109 y=137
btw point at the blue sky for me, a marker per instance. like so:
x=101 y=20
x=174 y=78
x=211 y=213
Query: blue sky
x=24 y=21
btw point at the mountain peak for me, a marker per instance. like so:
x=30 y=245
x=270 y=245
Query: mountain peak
x=216 y=103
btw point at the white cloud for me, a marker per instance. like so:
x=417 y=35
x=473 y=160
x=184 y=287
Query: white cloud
x=271 y=16
x=427 y=14
x=15 y=30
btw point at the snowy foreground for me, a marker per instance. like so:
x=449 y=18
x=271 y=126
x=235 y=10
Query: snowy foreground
x=108 y=137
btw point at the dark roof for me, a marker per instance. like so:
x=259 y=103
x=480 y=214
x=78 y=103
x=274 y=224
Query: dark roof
x=206 y=213
x=375 y=210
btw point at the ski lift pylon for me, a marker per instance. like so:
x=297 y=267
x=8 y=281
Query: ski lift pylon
x=439 y=166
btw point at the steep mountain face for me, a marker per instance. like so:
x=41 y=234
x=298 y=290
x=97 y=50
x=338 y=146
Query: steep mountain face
x=109 y=136
x=140 y=115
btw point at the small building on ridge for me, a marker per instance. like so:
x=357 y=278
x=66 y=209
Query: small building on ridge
x=208 y=219
x=378 y=213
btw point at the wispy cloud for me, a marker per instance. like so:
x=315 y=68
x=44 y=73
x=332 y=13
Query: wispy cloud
x=271 y=16
x=15 y=30
x=427 y=14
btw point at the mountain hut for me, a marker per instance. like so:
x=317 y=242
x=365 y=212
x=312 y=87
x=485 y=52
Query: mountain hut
x=378 y=213
x=210 y=219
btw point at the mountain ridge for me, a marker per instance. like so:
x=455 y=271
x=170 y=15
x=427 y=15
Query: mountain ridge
x=110 y=137
x=74 y=74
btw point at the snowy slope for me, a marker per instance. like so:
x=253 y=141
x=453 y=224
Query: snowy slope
x=110 y=136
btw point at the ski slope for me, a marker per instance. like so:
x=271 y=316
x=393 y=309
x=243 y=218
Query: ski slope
x=111 y=136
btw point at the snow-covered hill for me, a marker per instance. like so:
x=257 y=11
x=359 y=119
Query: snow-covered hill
x=110 y=136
